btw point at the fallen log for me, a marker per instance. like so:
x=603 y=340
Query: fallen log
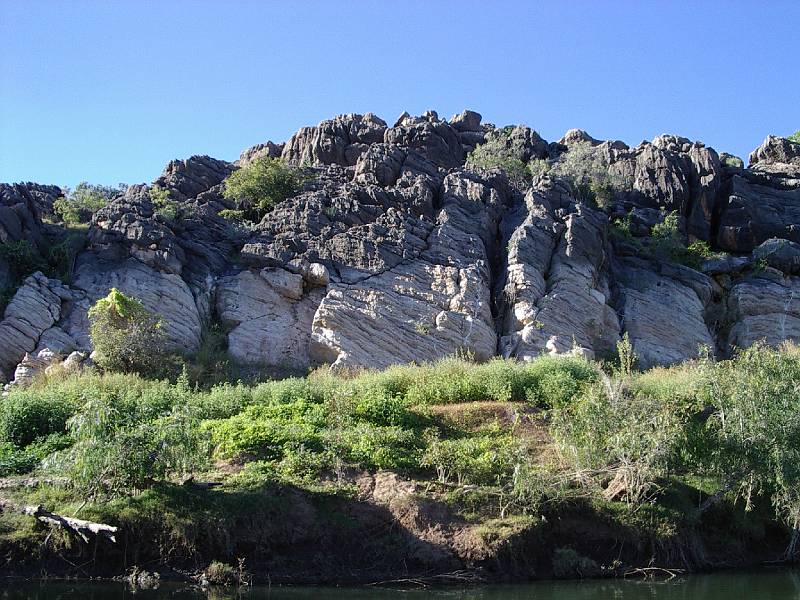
x=79 y=527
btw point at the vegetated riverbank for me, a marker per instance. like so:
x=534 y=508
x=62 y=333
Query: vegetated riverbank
x=450 y=472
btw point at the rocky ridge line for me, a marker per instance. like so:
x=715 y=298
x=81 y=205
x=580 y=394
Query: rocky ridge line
x=396 y=252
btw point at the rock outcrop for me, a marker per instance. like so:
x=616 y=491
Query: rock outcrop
x=396 y=251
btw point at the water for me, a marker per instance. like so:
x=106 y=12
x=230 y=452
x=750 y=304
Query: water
x=762 y=585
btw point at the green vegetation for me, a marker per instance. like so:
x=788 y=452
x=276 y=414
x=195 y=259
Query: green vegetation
x=501 y=152
x=588 y=172
x=125 y=336
x=795 y=137
x=78 y=205
x=668 y=243
x=169 y=209
x=258 y=186
x=653 y=453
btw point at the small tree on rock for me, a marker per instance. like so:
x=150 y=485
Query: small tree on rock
x=261 y=184
x=126 y=336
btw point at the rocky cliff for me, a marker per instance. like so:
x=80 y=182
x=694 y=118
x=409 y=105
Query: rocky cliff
x=395 y=251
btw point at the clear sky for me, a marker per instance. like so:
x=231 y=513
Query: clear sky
x=109 y=91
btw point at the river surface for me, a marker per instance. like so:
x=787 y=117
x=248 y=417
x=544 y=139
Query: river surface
x=761 y=585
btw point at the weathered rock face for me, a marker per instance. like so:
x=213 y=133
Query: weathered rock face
x=433 y=304
x=33 y=310
x=396 y=252
x=269 y=313
x=755 y=213
x=557 y=287
x=765 y=306
x=193 y=176
x=339 y=141
x=21 y=208
x=672 y=174
x=663 y=312
x=164 y=293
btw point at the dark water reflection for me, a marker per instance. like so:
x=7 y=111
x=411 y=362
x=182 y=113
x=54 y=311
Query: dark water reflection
x=762 y=585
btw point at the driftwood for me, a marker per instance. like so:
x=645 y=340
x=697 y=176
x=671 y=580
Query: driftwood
x=461 y=577
x=79 y=527
x=653 y=572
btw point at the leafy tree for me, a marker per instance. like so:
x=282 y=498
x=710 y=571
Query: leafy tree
x=126 y=336
x=260 y=185
x=78 y=205
x=115 y=453
x=501 y=152
x=754 y=430
x=795 y=137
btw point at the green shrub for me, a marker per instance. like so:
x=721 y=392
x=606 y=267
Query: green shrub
x=587 y=171
x=755 y=428
x=795 y=137
x=381 y=447
x=126 y=337
x=15 y=460
x=78 y=205
x=552 y=381
x=29 y=414
x=233 y=215
x=668 y=243
x=611 y=431
x=482 y=460
x=268 y=431
x=219 y=573
x=22 y=258
x=261 y=184
x=169 y=209
x=115 y=454
x=538 y=168
x=501 y=152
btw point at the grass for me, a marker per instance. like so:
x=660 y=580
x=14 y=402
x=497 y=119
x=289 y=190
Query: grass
x=496 y=445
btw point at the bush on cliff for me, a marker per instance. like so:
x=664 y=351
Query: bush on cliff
x=587 y=171
x=78 y=205
x=499 y=152
x=126 y=337
x=795 y=137
x=261 y=184
x=669 y=243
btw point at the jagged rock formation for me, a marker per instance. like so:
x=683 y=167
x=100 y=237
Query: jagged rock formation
x=396 y=252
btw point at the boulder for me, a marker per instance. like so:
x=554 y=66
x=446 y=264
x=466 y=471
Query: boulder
x=779 y=254
x=467 y=120
x=672 y=174
x=774 y=150
x=436 y=140
x=328 y=142
x=269 y=149
x=162 y=293
x=190 y=177
x=21 y=208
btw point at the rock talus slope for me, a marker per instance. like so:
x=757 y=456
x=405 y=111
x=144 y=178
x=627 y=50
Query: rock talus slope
x=396 y=251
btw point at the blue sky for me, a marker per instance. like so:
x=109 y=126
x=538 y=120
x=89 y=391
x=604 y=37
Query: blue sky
x=110 y=91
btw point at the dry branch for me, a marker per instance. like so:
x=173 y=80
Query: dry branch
x=79 y=527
